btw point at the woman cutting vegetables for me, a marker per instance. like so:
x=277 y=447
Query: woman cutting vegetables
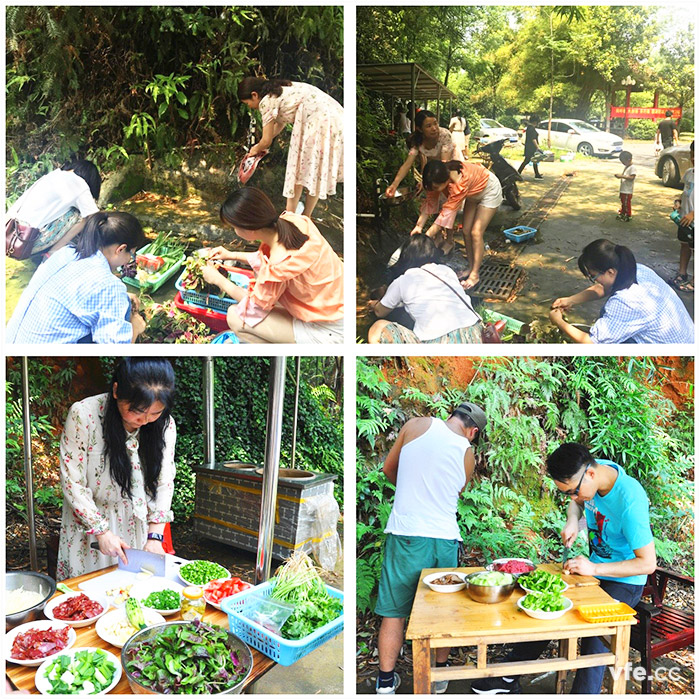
x=297 y=295
x=118 y=468
x=315 y=159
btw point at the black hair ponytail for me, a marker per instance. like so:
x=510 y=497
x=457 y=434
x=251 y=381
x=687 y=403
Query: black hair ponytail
x=105 y=228
x=602 y=255
x=436 y=172
x=416 y=138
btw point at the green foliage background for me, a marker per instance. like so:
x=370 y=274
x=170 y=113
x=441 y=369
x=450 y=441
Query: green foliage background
x=241 y=396
x=511 y=508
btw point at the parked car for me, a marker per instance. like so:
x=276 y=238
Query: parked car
x=671 y=164
x=577 y=135
x=491 y=130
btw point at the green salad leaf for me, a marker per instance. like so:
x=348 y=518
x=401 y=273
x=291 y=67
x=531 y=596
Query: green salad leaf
x=83 y=673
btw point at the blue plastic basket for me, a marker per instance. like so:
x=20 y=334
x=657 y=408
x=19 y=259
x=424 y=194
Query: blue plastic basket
x=211 y=301
x=518 y=234
x=284 y=651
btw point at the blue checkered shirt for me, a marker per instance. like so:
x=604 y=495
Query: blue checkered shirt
x=646 y=312
x=68 y=299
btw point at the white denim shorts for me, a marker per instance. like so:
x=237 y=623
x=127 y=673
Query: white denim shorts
x=316 y=332
x=491 y=196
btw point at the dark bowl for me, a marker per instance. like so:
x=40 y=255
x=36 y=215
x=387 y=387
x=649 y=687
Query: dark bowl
x=30 y=581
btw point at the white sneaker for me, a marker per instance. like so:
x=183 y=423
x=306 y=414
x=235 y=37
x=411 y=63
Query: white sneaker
x=389 y=689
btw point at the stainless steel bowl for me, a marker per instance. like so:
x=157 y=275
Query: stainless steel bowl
x=488 y=594
x=234 y=643
x=402 y=194
x=30 y=581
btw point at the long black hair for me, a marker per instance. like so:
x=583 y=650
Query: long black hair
x=602 y=255
x=262 y=86
x=105 y=228
x=251 y=209
x=89 y=172
x=418 y=250
x=416 y=138
x=436 y=172
x=141 y=381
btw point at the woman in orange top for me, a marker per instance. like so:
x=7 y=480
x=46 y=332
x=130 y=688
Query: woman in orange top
x=297 y=294
x=469 y=183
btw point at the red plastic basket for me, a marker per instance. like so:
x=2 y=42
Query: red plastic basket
x=214 y=319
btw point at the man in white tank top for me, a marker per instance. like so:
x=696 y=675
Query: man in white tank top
x=431 y=462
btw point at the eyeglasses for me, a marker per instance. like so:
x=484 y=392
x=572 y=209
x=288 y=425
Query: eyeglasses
x=578 y=486
x=593 y=278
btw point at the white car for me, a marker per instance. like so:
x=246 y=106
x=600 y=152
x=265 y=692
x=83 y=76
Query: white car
x=491 y=130
x=577 y=135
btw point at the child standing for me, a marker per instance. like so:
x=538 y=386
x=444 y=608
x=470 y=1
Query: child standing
x=686 y=226
x=626 y=186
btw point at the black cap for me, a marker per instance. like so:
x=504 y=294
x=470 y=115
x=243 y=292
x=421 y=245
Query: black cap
x=474 y=412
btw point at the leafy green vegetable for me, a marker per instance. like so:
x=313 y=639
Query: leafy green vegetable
x=200 y=572
x=547 y=602
x=492 y=578
x=85 y=672
x=162 y=600
x=193 y=659
x=542 y=582
x=134 y=613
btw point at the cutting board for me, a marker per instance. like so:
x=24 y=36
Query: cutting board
x=571 y=579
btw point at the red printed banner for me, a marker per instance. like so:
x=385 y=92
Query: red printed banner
x=645 y=112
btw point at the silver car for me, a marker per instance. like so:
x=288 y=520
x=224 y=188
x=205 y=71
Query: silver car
x=491 y=130
x=577 y=135
x=672 y=163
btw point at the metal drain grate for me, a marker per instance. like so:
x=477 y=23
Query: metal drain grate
x=496 y=281
x=541 y=208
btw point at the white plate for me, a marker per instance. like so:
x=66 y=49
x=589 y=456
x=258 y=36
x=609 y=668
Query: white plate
x=114 y=617
x=428 y=581
x=44 y=686
x=191 y=583
x=143 y=589
x=101 y=599
x=38 y=625
x=218 y=605
x=543 y=614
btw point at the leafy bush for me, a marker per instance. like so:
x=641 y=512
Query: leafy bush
x=642 y=129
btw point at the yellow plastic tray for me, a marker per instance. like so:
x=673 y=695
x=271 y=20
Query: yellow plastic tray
x=615 y=612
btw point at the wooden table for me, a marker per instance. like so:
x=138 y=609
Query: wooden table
x=455 y=620
x=23 y=676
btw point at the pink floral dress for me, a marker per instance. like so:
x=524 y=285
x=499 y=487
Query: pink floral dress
x=315 y=157
x=92 y=501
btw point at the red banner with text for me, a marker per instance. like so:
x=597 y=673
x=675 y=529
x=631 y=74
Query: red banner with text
x=645 y=112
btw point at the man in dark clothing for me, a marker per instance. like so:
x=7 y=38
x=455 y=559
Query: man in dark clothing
x=531 y=146
x=667 y=131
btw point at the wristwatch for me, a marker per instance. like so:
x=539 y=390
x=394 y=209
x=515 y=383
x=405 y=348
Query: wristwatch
x=155 y=536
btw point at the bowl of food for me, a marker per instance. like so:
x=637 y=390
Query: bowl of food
x=224 y=668
x=215 y=591
x=515 y=566
x=76 y=609
x=115 y=628
x=544 y=606
x=541 y=581
x=400 y=196
x=159 y=594
x=80 y=671
x=445 y=581
x=26 y=593
x=32 y=643
x=489 y=586
x=200 y=572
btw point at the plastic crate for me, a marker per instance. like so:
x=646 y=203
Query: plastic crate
x=214 y=319
x=616 y=612
x=159 y=278
x=512 y=324
x=284 y=651
x=518 y=234
x=212 y=301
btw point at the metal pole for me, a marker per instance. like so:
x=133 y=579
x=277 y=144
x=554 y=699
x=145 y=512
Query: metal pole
x=413 y=97
x=208 y=393
x=297 y=362
x=28 y=480
x=273 y=441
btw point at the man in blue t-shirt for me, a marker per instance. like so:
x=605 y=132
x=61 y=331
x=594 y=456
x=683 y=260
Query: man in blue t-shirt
x=616 y=508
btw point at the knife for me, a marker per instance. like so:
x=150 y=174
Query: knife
x=565 y=557
x=138 y=560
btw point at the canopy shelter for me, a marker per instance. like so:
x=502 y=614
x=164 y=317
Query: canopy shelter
x=406 y=82
x=273 y=442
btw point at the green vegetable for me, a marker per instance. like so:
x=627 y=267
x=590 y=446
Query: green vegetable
x=542 y=582
x=201 y=572
x=134 y=613
x=299 y=583
x=163 y=600
x=492 y=578
x=547 y=602
x=193 y=659
x=85 y=672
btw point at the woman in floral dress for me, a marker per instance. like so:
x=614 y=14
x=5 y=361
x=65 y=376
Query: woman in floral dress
x=315 y=159
x=118 y=468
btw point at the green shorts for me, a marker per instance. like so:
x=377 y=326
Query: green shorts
x=404 y=558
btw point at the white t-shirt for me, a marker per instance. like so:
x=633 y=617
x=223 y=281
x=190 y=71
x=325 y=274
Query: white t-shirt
x=688 y=196
x=436 y=309
x=50 y=197
x=627 y=186
x=459 y=123
x=429 y=479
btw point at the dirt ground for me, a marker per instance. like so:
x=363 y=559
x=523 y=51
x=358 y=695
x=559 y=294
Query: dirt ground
x=586 y=211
